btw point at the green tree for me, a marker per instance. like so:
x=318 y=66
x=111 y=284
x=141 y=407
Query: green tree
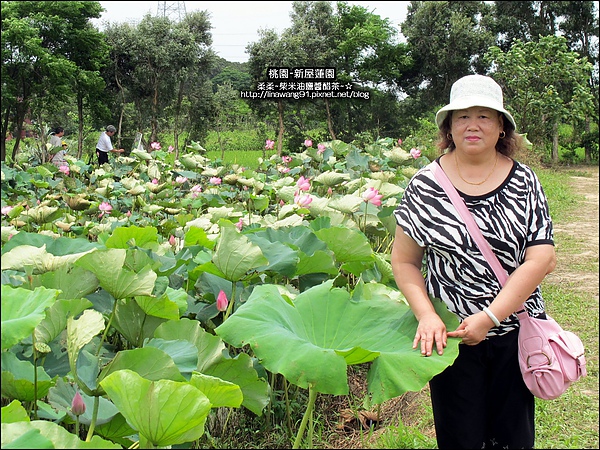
x=46 y=47
x=447 y=40
x=370 y=56
x=158 y=65
x=580 y=28
x=546 y=84
x=269 y=51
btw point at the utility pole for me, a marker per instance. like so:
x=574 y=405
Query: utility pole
x=173 y=10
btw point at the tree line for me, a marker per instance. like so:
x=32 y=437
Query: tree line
x=163 y=78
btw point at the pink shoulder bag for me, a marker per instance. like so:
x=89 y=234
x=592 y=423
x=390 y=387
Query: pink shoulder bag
x=550 y=358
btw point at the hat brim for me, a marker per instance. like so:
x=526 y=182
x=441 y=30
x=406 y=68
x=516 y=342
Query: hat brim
x=468 y=102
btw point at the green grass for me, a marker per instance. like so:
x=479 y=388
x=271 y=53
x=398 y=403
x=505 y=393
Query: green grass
x=248 y=158
x=570 y=421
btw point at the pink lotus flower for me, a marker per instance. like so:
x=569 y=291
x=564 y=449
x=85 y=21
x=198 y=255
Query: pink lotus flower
x=415 y=152
x=329 y=191
x=172 y=240
x=171 y=148
x=269 y=144
x=240 y=224
x=372 y=195
x=284 y=169
x=78 y=405
x=308 y=143
x=196 y=190
x=105 y=207
x=180 y=179
x=303 y=200
x=64 y=169
x=128 y=213
x=321 y=149
x=222 y=301
x=155 y=146
x=154 y=181
x=215 y=180
x=399 y=142
x=286 y=159
x=303 y=184
x=6 y=210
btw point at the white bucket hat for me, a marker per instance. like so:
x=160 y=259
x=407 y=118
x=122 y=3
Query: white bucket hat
x=474 y=90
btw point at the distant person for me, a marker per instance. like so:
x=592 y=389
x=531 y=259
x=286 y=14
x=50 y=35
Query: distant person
x=55 y=140
x=56 y=137
x=59 y=159
x=104 y=145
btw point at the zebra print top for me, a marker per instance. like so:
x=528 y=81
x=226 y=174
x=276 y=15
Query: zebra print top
x=512 y=217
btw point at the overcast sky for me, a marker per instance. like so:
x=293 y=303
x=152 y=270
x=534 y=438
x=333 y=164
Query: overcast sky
x=236 y=24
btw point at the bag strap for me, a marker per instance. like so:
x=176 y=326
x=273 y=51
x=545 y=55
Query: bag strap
x=472 y=226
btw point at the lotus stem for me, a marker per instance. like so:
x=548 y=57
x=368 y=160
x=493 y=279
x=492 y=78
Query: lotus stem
x=312 y=396
x=94 y=418
x=112 y=315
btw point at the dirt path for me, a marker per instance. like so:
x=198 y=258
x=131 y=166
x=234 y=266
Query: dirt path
x=583 y=230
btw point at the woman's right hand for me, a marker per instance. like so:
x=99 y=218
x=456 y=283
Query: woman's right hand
x=431 y=330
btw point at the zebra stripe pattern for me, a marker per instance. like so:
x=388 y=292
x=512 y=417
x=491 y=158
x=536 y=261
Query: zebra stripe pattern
x=512 y=217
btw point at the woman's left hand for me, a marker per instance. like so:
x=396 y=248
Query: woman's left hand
x=473 y=329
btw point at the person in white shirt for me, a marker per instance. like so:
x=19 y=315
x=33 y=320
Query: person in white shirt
x=104 y=145
x=56 y=137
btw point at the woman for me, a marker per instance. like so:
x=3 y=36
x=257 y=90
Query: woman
x=480 y=401
x=56 y=135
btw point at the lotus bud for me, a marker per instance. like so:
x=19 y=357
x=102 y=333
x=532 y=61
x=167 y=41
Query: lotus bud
x=222 y=301
x=78 y=405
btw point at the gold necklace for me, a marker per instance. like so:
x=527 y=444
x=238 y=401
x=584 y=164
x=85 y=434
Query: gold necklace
x=481 y=182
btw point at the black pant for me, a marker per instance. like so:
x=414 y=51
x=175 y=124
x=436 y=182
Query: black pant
x=102 y=157
x=481 y=401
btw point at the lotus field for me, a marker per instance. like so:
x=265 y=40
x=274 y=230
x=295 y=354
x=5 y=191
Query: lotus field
x=147 y=297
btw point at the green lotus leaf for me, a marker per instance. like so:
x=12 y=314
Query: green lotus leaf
x=347 y=244
x=222 y=212
x=398 y=156
x=219 y=392
x=142 y=155
x=58 y=436
x=163 y=412
x=129 y=182
x=171 y=305
x=332 y=178
x=150 y=362
x=153 y=170
x=56 y=318
x=73 y=281
x=235 y=255
x=239 y=371
x=311 y=340
x=81 y=331
x=22 y=311
x=14 y=412
x=121 y=282
x=125 y=237
x=19 y=382
x=37 y=257
x=137 y=190
x=347 y=204
x=152 y=209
